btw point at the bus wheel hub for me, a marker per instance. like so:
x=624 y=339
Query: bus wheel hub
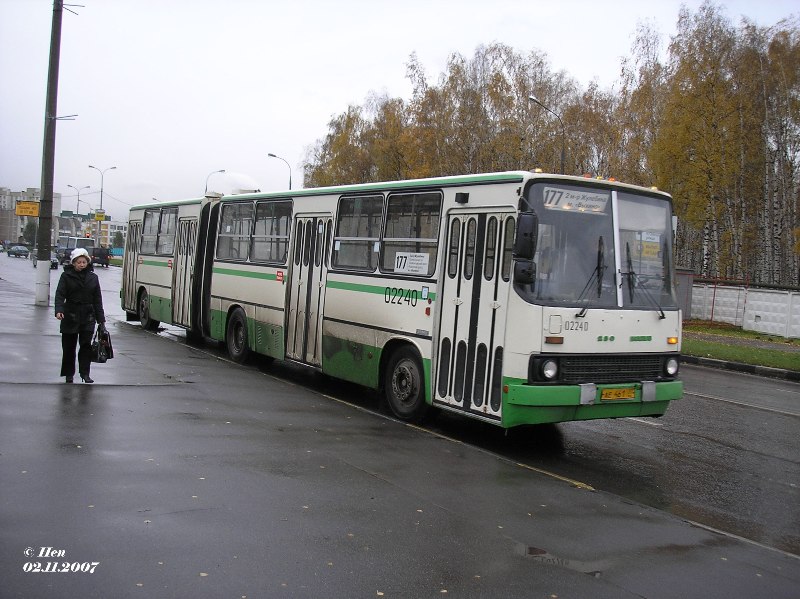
x=402 y=383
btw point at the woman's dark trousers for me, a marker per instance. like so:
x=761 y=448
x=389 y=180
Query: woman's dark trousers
x=68 y=343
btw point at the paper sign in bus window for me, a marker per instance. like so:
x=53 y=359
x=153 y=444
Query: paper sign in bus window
x=410 y=263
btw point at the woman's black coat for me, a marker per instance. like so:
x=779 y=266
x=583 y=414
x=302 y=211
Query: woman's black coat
x=78 y=297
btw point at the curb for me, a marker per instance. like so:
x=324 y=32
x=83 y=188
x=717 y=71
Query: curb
x=775 y=373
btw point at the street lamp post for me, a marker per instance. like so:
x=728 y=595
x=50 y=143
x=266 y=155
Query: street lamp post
x=209 y=176
x=535 y=100
x=78 y=204
x=287 y=164
x=102 y=174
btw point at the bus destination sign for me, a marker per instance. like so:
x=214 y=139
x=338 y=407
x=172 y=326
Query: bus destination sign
x=569 y=200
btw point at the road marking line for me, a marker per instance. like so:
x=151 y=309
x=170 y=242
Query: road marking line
x=742 y=403
x=643 y=421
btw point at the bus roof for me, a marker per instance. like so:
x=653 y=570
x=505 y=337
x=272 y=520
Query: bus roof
x=448 y=181
x=166 y=204
x=457 y=180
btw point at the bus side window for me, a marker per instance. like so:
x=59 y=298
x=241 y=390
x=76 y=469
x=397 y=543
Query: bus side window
x=491 y=249
x=307 y=243
x=234 y=231
x=328 y=233
x=411 y=233
x=469 y=255
x=452 y=250
x=270 y=241
x=358 y=226
x=319 y=242
x=166 y=231
x=508 y=248
x=150 y=231
x=298 y=243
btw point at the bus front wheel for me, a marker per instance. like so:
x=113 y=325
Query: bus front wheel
x=148 y=323
x=236 y=336
x=404 y=385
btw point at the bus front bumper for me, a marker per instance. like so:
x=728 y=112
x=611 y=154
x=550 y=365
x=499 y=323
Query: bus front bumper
x=539 y=404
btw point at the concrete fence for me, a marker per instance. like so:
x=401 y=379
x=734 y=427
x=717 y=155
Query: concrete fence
x=770 y=311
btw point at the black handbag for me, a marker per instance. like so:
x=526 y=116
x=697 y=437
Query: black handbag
x=102 y=349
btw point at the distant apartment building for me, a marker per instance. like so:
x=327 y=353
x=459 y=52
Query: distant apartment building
x=66 y=223
x=11 y=225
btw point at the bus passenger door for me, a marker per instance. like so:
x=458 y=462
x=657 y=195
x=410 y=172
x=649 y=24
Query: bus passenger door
x=473 y=299
x=307 y=288
x=183 y=272
x=130 y=267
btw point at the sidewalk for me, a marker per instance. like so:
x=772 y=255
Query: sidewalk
x=185 y=475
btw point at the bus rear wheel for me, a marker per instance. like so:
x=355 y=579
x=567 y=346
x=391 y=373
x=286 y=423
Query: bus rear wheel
x=236 y=336
x=148 y=323
x=404 y=385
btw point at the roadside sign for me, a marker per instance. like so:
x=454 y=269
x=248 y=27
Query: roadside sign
x=27 y=208
x=100 y=215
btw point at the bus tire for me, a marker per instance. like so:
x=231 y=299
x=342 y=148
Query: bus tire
x=404 y=385
x=148 y=323
x=236 y=336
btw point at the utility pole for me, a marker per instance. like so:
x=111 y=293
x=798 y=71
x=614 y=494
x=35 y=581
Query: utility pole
x=44 y=234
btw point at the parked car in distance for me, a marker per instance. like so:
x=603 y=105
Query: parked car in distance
x=53 y=260
x=62 y=254
x=99 y=256
x=18 y=251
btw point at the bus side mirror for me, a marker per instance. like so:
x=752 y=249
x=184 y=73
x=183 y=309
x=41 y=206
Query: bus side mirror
x=524 y=272
x=525 y=240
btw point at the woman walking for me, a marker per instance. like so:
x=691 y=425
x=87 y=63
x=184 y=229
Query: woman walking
x=79 y=305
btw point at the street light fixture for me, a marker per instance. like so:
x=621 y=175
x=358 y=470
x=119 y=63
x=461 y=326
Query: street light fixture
x=287 y=164
x=535 y=100
x=209 y=176
x=78 y=204
x=102 y=174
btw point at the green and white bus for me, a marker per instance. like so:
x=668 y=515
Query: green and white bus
x=514 y=297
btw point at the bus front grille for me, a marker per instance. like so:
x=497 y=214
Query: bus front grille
x=610 y=369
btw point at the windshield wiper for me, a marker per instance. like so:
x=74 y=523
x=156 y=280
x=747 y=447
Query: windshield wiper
x=634 y=281
x=597 y=274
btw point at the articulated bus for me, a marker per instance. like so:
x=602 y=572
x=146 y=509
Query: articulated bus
x=515 y=297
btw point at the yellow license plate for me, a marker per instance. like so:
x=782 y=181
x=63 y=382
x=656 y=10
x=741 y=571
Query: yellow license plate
x=624 y=393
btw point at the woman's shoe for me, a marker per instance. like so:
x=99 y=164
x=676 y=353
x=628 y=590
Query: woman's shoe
x=87 y=379
x=69 y=379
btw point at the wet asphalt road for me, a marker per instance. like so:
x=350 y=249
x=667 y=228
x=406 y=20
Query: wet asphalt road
x=732 y=466
x=188 y=481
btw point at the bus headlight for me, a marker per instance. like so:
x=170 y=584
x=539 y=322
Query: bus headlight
x=671 y=366
x=549 y=369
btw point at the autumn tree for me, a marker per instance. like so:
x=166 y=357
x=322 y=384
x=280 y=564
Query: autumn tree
x=641 y=94
x=343 y=155
x=723 y=147
x=716 y=124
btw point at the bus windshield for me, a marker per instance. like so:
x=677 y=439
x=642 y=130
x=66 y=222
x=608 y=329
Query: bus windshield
x=576 y=261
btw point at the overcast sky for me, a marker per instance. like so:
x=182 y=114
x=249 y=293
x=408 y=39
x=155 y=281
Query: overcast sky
x=169 y=91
